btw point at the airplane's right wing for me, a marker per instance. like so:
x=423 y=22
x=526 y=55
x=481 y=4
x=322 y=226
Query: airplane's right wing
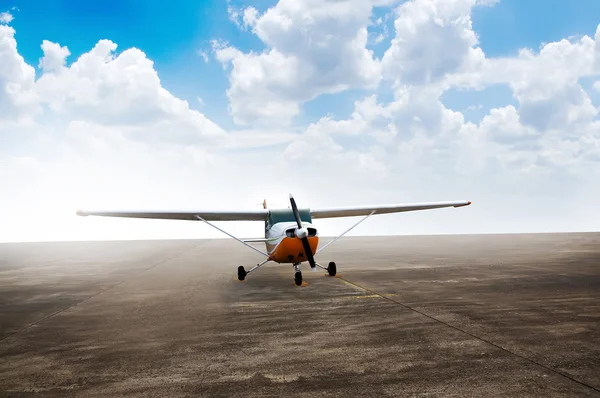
x=251 y=215
x=382 y=209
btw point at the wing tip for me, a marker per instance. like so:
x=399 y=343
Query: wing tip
x=464 y=204
x=81 y=213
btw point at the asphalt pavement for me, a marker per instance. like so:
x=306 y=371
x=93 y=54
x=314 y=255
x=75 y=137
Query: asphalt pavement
x=467 y=316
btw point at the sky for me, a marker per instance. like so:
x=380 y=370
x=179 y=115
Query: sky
x=217 y=105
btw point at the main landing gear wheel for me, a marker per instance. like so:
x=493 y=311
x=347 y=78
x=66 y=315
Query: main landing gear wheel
x=298 y=278
x=332 y=269
x=241 y=273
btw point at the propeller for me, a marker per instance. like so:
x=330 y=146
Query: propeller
x=302 y=234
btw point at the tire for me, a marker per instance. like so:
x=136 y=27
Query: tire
x=241 y=273
x=332 y=269
x=298 y=278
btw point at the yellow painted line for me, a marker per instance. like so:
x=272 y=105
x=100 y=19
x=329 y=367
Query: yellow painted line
x=353 y=286
x=370 y=296
x=359 y=288
x=364 y=297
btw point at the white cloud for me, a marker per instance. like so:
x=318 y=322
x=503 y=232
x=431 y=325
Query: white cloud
x=546 y=146
x=234 y=14
x=433 y=38
x=380 y=30
x=313 y=47
x=102 y=131
x=54 y=58
x=503 y=125
x=597 y=86
x=474 y=107
x=488 y=3
x=243 y=19
x=204 y=55
x=6 y=17
x=250 y=16
x=119 y=90
x=545 y=83
x=17 y=95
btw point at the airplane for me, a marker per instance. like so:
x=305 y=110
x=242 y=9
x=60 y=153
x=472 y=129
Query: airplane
x=290 y=236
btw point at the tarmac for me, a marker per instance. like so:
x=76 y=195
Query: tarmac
x=452 y=316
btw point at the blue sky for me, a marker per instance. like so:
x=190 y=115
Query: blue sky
x=172 y=34
x=514 y=24
x=169 y=35
x=524 y=147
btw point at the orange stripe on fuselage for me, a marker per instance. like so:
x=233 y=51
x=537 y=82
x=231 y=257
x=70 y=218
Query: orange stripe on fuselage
x=293 y=247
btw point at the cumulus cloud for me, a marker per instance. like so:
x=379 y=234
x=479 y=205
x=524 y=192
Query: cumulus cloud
x=55 y=57
x=6 y=17
x=433 y=38
x=250 y=16
x=120 y=90
x=242 y=18
x=103 y=125
x=546 y=84
x=313 y=47
x=544 y=147
x=102 y=131
x=17 y=95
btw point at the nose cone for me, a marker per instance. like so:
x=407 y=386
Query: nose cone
x=301 y=233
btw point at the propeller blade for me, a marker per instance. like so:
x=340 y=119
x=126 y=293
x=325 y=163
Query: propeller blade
x=308 y=253
x=307 y=250
x=296 y=212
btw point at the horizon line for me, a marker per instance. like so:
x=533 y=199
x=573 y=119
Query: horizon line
x=322 y=237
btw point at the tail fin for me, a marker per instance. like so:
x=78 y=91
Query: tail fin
x=265 y=204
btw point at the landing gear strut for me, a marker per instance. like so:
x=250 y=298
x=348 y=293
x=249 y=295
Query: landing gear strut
x=331 y=270
x=242 y=272
x=297 y=275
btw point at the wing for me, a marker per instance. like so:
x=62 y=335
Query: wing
x=252 y=215
x=382 y=209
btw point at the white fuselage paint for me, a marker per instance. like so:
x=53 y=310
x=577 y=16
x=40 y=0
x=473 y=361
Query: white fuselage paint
x=276 y=233
x=279 y=243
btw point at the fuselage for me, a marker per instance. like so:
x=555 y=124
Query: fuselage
x=281 y=242
x=284 y=247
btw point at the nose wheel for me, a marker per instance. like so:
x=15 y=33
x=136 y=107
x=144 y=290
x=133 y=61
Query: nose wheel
x=298 y=278
x=297 y=275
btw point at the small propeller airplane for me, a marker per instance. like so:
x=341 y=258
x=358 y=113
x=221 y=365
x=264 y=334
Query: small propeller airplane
x=290 y=236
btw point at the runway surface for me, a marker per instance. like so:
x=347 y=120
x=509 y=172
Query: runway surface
x=465 y=316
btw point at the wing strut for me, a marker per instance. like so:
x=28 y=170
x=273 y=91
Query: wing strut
x=227 y=233
x=346 y=231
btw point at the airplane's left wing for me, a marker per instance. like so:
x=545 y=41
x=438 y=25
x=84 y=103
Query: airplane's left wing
x=251 y=215
x=382 y=209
